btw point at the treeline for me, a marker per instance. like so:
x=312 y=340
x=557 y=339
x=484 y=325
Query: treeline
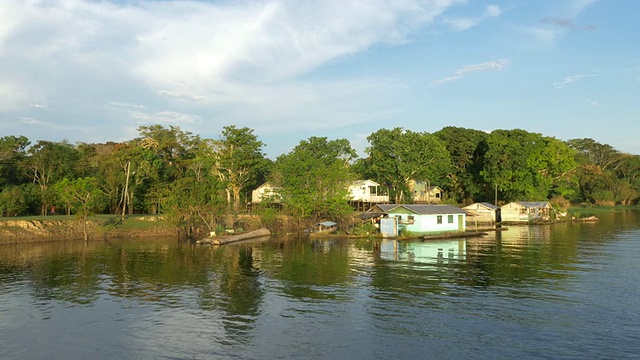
x=193 y=180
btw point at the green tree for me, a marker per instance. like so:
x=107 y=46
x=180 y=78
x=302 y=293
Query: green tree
x=397 y=156
x=314 y=179
x=83 y=195
x=12 y=153
x=190 y=204
x=465 y=146
x=240 y=163
x=527 y=166
x=605 y=175
x=47 y=163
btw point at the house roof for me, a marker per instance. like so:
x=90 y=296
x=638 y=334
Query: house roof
x=422 y=209
x=483 y=204
x=364 y=182
x=534 y=204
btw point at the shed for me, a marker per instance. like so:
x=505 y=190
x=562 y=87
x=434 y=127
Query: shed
x=526 y=211
x=483 y=212
x=424 y=219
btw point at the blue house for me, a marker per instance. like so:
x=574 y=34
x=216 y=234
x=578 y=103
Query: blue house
x=420 y=219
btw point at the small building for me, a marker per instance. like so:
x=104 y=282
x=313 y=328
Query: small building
x=420 y=219
x=265 y=192
x=526 y=211
x=423 y=192
x=367 y=191
x=483 y=212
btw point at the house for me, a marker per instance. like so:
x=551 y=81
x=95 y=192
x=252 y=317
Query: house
x=483 y=212
x=265 y=192
x=423 y=192
x=367 y=191
x=526 y=211
x=419 y=219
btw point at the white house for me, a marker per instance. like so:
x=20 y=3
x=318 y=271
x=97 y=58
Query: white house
x=483 y=212
x=263 y=192
x=367 y=191
x=422 y=219
x=524 y=211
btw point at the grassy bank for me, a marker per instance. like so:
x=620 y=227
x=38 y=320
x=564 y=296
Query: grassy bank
x=63 y=227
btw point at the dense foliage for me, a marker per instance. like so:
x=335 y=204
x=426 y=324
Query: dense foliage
x=193 y=180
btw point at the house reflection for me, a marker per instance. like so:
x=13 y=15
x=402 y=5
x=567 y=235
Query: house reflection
x=427 y=251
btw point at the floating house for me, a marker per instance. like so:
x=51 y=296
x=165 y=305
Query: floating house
x=526 y=211
x=423 y=192
x=419 y=219
x=483 y=212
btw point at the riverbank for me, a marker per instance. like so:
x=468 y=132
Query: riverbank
x=61 y=227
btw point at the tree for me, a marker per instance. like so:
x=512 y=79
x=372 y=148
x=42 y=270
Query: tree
x=12 y=153
x=525 y=165
x=314 y=178
x=465 y=146
x=397 y=156
x=47 y=163
x=240 y=162
x=83 y=195
x=190 y=203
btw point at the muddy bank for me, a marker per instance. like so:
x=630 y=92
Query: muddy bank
x=26 y=231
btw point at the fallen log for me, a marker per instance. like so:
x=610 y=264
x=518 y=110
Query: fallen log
x=228 y=239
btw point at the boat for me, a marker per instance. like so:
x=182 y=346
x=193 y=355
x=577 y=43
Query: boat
x=228 y=239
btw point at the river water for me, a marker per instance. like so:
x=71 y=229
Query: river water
x=562 y=291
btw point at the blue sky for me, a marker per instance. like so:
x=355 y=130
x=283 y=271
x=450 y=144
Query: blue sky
x=95 y=71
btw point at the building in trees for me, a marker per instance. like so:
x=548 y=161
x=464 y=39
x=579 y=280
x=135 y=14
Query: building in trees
x=423 y=192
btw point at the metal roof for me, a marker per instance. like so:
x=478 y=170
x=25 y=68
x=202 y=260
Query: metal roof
x=423 y=209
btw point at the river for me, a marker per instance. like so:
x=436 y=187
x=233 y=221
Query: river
x=562 y=291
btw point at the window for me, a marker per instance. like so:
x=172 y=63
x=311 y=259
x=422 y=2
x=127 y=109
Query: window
x=450 y=219
x=439 y=219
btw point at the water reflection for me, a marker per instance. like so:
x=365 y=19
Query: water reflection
x=163 y=299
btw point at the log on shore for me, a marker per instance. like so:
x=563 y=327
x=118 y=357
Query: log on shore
x=228 y=239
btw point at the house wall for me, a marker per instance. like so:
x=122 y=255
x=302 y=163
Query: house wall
x=425 y=224
x=518 y=213
x=479 y=213
x=363 y=192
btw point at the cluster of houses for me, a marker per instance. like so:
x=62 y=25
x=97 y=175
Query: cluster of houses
x=426 y=215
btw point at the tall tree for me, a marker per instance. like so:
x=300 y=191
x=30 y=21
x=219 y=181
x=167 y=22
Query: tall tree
x=397 y=156
x=47 y=163
x=240 y=162
x=12 y=153
x=526 y=166
x=465 y=146
x=314 y=178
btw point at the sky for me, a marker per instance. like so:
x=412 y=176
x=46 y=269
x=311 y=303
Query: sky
x=95 y=71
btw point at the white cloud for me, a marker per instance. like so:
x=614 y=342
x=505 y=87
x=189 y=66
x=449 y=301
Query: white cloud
x=196 y=62
x=460 y=73
x=591 y=102
x=464 y=23
x=571 y=79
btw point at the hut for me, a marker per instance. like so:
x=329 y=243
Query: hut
x=526 y=211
